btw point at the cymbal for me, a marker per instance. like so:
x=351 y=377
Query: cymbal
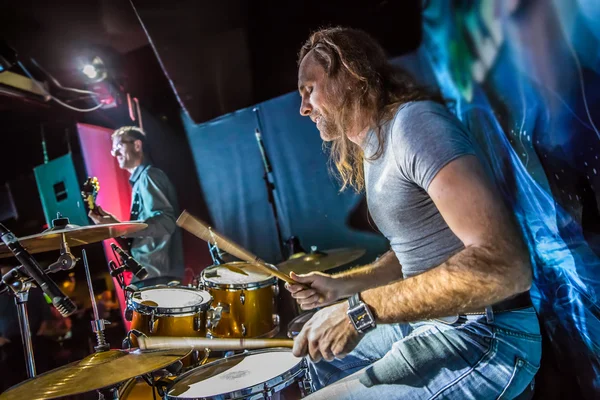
x=96 y=371
x=303 y=263
x=75 y=235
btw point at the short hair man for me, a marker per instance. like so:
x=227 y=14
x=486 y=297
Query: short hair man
x=154 y=201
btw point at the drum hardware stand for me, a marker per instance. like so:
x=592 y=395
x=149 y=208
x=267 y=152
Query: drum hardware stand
x=117 y=273
x=20 y=283
x=214 y=250
x=16 y=281
x=66 y=260
x=98 y=324
x=294 y=247
x=269 y=183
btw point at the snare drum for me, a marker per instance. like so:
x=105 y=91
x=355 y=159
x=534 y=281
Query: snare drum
x=261 y=374
x=248 y=302
x=169 y=311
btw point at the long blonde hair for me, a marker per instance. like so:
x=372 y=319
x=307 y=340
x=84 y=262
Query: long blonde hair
x=364 y=80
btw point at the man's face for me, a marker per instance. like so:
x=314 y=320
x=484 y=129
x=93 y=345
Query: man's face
x=315 y=89
x=127 y=151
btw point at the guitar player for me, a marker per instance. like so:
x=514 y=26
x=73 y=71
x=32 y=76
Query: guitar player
x=154 y=201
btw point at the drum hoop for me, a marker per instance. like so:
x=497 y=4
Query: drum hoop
x=166 y=311
x=280 y=381
x=234 y=287
x=237 y=286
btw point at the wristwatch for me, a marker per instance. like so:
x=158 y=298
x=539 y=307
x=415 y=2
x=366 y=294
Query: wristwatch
x=360 y=314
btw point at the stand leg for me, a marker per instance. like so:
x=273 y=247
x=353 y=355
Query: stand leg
x=21 y=302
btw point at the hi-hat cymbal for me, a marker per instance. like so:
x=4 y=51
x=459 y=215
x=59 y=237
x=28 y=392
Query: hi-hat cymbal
x=75 y=235
x=303 y=263
x=96 y=371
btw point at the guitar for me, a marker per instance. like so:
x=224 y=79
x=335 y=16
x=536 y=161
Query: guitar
x=89 y=192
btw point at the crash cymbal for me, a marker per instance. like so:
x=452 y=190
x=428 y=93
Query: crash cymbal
x=75 y=235
x=98 y=370
x=303 y=263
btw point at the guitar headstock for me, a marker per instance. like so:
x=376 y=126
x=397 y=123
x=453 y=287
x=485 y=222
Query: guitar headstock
x=89 y=191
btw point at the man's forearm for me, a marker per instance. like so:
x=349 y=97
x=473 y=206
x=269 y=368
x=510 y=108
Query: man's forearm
x=468 y=281
x=383 y=271
x=158 y=226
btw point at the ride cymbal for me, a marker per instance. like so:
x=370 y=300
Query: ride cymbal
x=303 y=263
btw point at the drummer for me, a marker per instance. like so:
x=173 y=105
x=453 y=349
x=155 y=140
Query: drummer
x=154 y=201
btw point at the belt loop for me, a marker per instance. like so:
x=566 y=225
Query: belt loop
x=489 y=314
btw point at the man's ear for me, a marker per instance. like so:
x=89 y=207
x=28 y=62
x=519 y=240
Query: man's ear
x=138 y=146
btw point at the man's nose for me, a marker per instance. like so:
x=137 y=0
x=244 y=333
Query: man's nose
x=305 y=107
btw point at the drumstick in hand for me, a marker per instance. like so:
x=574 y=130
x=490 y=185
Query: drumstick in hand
x=203 y=231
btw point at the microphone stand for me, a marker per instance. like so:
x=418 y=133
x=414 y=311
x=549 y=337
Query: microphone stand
x=20 y=290
x=269 y=182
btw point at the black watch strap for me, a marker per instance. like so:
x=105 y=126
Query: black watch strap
x=354 y=300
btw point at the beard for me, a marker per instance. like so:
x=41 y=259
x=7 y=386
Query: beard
x=328 y=128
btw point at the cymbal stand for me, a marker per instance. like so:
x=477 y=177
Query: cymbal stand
x=16 y=281
x=98 y=324
x=66 y=260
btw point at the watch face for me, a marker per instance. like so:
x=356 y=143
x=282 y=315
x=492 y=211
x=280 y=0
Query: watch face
x=361 y=317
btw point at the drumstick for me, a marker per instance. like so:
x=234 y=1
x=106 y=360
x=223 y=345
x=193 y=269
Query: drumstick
x=166 y=342
x=203 y=231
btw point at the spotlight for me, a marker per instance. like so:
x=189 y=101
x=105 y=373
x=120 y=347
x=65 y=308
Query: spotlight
x=94 y=70
x=90 y=71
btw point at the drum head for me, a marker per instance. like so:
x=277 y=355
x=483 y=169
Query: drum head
x=171 y=299
x=236 y=275
x=248 y=372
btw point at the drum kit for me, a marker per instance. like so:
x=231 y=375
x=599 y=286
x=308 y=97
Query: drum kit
x=216 y=339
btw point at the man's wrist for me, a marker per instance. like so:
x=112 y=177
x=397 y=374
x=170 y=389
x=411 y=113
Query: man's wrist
x=360 y=314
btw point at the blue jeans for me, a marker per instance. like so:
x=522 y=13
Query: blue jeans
x=471 y=359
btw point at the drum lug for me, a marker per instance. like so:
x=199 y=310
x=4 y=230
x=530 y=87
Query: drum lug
x=151 y=323
x=276 y=290
x=276 y=319
x=198 y=322
x=242 y=297
x=306 y=386
x=213 y=316
x=268 y=392
x=243 y=330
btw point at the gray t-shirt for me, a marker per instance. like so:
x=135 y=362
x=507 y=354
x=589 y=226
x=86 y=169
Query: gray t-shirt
x=419 y=141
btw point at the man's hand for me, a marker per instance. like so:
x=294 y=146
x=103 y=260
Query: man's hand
x=3 y=341
x=320 y=290
x=327 y=335
x=100 y=217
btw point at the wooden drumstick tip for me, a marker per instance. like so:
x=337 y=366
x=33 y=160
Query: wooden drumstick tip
x=142 y=343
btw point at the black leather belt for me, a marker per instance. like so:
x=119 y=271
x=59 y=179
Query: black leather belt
x=518 y=302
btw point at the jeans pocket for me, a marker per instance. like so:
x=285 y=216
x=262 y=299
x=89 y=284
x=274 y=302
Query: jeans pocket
x=522 y=376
